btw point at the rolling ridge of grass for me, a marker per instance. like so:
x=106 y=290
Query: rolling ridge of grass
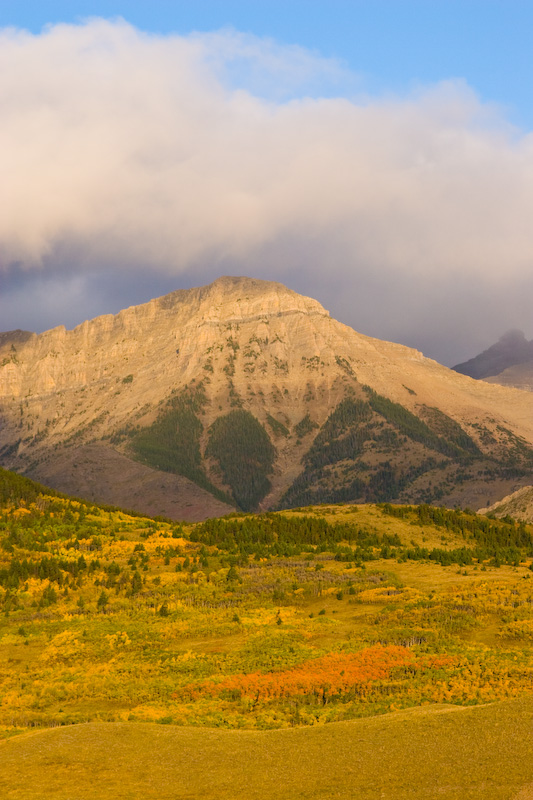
x=479 y=753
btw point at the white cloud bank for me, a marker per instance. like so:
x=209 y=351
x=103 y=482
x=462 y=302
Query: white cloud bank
x=130 y=150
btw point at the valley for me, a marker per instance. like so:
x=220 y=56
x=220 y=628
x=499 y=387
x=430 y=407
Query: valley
x=408 y=629
x=252 y=548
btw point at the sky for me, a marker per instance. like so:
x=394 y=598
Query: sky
x=374 y=154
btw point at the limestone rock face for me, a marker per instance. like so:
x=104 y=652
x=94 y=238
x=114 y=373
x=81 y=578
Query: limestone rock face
x=518 y=505
x=244 y=344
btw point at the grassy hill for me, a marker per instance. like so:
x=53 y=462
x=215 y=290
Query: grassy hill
x=473 y=754
x=170 y=640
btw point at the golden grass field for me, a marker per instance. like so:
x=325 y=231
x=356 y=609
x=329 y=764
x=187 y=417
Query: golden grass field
x=481 y=753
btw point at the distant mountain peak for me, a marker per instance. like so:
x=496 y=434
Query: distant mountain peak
x=513 y=336
x=512 y=348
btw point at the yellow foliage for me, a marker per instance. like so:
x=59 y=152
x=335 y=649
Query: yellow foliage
x=63 y=646
x=10 y=638
x=385 y=594
x=520 y=629
x=119 y=639
x=12 y=699
x=147 y=713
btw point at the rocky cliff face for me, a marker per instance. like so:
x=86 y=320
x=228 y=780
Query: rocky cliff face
x=190 y=384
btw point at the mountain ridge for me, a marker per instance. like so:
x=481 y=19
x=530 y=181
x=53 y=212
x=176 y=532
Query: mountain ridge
x=256 y=354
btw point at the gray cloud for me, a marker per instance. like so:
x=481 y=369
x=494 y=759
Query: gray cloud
x=133 y=164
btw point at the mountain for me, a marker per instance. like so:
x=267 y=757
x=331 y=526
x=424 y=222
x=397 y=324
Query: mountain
x=511 y=349
x=519 y=375
x=244 y=394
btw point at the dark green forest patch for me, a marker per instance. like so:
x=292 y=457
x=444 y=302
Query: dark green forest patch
x=449 y=429
x=277 y=427
x=172 y=442
x=245 y=454
x=342 y=435
x=305 y=426
x=416 y=429
x=14 y=488
x=371 y=449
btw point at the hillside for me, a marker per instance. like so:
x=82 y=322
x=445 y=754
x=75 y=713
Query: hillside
x=406 y=629
x=256 y=621
x=244 y=394
x=519 y=505
x=474 y=754
x=520 y=376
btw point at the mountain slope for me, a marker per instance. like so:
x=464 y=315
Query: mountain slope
x=518 y=505
x=259 y=398
x=511 y=349
x=520 y=376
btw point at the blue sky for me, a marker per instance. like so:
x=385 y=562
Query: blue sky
x=375 y=155
x=392 y=45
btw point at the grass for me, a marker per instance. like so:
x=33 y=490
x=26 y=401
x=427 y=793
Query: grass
x=187 y=623
x=478 y=753
x=215 y=663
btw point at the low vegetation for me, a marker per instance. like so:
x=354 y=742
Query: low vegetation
x=452 y=753
x=256 y=621
x=376 y=619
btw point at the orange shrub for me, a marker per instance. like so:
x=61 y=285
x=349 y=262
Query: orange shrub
x=333 y=674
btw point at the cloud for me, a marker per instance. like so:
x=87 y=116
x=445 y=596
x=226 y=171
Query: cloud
x=217 y=152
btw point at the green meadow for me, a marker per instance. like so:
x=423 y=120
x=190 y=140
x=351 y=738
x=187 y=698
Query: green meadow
x=331 y=651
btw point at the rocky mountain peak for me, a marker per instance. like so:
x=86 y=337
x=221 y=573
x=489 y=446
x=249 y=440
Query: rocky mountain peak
x=248 y=393
x=240 y=299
